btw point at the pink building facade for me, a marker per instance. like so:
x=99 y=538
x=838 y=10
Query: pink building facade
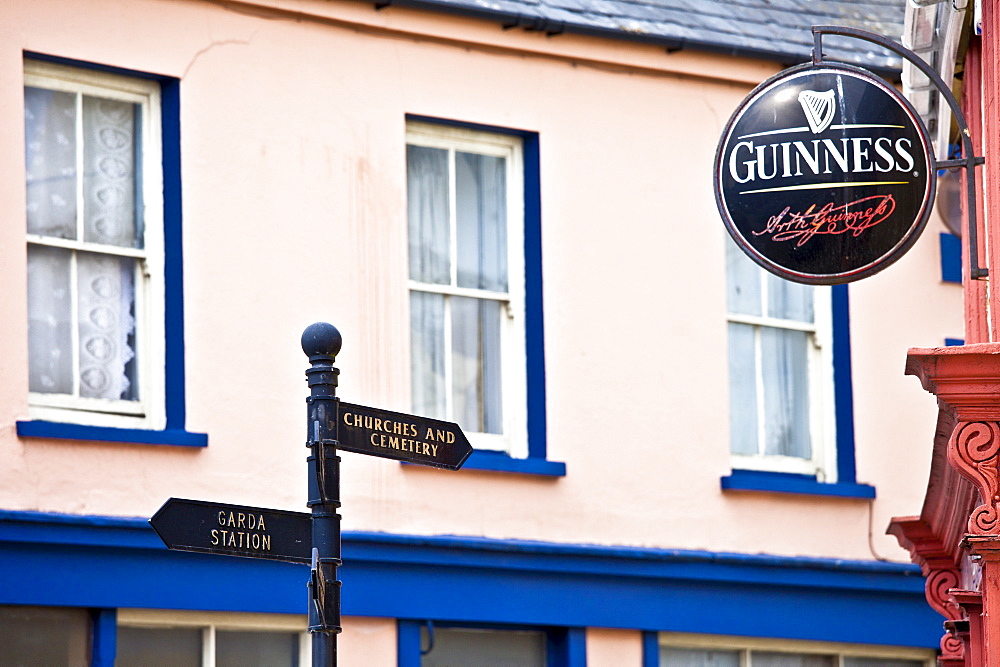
x=512 y=224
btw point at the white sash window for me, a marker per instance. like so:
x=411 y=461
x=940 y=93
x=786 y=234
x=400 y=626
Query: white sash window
x=465 y=212
x=780 y=371
x=94 y=192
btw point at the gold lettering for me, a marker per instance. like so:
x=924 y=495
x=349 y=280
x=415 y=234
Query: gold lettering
x=347 y=418
x=430 y=434
x=260 y=523
x=215 y=536
x=435 y=448
x=378 y=424
x=232 y=520
x=222 y=518
x=240 y=519
x=393 y=442
x=451 y=438
x=267 y=542
x=373 y=439
x=440 y=435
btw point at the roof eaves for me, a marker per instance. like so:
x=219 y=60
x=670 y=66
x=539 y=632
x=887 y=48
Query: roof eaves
x=508 y=17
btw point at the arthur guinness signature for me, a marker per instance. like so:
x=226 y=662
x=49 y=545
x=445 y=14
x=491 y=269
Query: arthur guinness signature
x=855 y=218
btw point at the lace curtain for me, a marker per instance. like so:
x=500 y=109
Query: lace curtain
x=81 y=325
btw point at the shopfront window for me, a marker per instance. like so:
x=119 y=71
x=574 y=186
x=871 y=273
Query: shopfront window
x=44 y=636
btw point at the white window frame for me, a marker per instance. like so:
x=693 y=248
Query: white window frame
x=822 y=409
x=148 y=412
x=513 y=373
x=747 y=645
x=210 y=622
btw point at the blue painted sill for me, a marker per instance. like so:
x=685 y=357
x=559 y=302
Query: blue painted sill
x=67 y=431
x=781 y=482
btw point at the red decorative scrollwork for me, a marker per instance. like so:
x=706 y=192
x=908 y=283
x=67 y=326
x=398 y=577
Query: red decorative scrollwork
x=952 y=648
x=973 y=451
x=939 y=582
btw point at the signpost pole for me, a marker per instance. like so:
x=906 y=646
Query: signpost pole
x=321 y=342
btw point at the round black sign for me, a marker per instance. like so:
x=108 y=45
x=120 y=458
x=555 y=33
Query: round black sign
x=824 y=174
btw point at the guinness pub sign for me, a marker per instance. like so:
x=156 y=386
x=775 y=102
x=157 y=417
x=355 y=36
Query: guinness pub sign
x=824 y=174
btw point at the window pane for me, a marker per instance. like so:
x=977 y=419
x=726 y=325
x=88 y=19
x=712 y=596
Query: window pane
x=427 y=353
x=765 y=659
x=106 y=295
x=788 y=300
x=476 y=364
x=428 y=214
x=680 y=657
x=742 y=281
x=742 y=389
x=481 y=221
x=256 y=649
x=459 y=648
x=785 y=368
x=50 y=325
x=50 y=156
x=42 y=636
x=164 y=647
x=109 y=145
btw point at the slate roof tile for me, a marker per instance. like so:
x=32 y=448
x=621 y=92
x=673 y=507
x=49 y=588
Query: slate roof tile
x=778 y=29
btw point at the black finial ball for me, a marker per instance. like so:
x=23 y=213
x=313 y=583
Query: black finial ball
x=321 y=340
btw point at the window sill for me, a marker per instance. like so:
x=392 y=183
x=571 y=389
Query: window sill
x=781 y=482
x=501 y=462
x=67 y=431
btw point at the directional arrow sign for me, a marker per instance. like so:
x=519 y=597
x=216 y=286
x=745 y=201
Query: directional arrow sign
x=234 y=530
x=393 y=435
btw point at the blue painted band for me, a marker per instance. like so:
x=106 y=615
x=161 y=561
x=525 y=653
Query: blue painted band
x=949 y=342
x=102 y=562
x=779 y=482
x=951 y=258
x=68 y=431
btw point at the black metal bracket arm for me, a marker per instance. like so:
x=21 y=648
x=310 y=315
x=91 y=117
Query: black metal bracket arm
x=969 y=160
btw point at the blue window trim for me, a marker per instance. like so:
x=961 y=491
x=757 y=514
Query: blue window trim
x=950 y=342
x=951 y=258
x=106 y=562
x=174 y=432
x=650 y=649
x=534 y=334
x=781 y=482
x=846 y=485
x=104 y=641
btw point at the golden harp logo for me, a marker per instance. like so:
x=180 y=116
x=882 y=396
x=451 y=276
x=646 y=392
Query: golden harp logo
x=819 y=108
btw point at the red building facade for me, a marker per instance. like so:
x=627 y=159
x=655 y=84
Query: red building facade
x=956 y=537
